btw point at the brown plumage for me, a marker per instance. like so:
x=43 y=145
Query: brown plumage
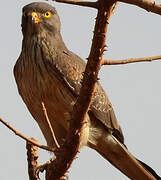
x=46 y=71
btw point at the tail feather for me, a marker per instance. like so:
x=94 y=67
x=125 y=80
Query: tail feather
x=117 y=154
x=149 y=169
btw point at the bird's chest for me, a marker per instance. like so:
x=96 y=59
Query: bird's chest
x=41 y=80
x=37 y=86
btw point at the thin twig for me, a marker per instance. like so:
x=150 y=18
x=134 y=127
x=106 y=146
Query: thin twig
x=26 y=138
x=131 y=60
x=80 y=3
x=49 y=124
x=150 y=6
x=44 y=166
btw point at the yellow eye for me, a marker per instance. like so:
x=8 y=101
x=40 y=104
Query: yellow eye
x=47 y=14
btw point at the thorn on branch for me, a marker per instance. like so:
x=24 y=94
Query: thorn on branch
x=105 y=49
x=114 y=8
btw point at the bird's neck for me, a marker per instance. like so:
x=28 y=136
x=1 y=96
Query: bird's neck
x=41 y=48
x=51 y=40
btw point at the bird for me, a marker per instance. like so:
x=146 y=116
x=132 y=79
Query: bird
x=47 y=72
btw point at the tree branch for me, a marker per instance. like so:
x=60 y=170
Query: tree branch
x=26 y=138
x=32 y=158
x=150 y=6
x=130 y=60
x=80 y=3
x=67 y=153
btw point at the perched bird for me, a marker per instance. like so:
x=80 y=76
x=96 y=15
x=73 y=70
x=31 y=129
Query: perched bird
x=46 y=71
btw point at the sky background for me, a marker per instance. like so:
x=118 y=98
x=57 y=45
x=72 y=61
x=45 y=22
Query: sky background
x=134 y=90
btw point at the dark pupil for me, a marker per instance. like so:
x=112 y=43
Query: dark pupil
x=47 y=14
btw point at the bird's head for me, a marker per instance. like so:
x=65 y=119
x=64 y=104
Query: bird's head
x=39 y=17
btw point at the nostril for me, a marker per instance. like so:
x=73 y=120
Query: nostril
x=34 y=15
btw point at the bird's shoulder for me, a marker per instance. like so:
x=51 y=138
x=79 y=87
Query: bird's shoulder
x=69 y=67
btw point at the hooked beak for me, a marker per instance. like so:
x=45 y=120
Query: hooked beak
x=35 y=18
